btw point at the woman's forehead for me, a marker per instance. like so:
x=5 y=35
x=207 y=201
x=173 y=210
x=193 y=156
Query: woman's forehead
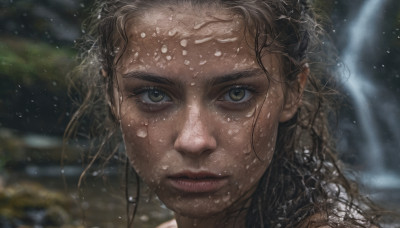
x=186 y=21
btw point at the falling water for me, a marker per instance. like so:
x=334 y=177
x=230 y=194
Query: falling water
x=364 y=92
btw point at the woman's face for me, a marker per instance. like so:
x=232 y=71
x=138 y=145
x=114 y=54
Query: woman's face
x=191 y=96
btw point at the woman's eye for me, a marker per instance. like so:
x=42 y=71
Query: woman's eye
x=237 y=95
x=152 y=96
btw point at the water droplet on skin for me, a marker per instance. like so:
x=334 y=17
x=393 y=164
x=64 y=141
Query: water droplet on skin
x=184 y=52
x=136 y=55
x=216 y=201
x=164 y=167
x=218 y=53
x=171 y=32
x=143 y=35
x=230 y=132
x=202 y=62
x=184 y=43
x=157 y=30
x=251 y=113
x=193 y=84
x=200 y=41
x=168 y=57
x=164 y=49
x=198 y=26
x=142 y=133
x=228 y=119
x=186 y=62
x=227 y=197
x=227 y=40
x=269 y=114
x=247 y=166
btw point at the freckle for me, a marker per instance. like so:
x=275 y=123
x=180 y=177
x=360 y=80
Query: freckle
x=143 y=35
x=186 y=62
x=184 y=43
x=218 y=53
x=164 y=49
x=184 y=52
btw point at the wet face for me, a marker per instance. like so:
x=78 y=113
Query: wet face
x=191 y=96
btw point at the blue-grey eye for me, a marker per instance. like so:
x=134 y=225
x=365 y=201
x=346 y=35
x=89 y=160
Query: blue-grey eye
x=237 y=94
x=156 y=95
x=151 y=96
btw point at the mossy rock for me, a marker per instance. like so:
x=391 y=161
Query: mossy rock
x=29 y=62
x=31 y=204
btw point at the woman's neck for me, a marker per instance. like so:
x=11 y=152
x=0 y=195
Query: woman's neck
x=234 y=221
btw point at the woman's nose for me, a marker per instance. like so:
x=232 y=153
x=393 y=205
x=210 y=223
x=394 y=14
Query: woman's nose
x=195 y=136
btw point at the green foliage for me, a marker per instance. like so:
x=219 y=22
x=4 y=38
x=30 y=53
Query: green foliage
x=33 y=63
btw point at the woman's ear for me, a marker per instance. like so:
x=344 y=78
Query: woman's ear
x=294 y=95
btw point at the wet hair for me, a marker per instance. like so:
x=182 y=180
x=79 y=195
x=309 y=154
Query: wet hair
x=304 y=179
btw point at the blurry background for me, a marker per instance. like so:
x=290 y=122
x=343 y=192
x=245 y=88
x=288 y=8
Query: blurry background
x=37 y=50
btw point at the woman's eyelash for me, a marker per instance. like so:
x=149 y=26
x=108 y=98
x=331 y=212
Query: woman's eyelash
x=239 y=92
x=150 y=95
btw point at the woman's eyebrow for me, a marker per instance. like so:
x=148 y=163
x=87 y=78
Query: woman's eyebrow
x=236 y=76
x=148 y=77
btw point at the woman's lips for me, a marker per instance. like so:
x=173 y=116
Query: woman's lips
x=200 y=182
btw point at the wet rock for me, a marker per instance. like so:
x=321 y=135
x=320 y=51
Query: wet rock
x=32 y=205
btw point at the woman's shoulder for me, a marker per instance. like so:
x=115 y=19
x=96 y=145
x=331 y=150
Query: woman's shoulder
x=169 y=224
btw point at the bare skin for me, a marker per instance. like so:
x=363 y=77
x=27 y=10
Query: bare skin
x=190 y=90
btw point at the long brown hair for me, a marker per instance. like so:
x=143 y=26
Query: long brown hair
x=304 y=177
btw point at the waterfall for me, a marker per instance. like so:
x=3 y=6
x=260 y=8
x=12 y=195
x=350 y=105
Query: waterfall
x=365 y=93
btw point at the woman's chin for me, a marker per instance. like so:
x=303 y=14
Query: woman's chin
x=198 y=208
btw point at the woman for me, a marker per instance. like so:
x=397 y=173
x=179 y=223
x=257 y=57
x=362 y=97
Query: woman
x=222 y=107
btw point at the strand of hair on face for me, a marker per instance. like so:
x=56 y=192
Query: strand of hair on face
x=135 y=201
